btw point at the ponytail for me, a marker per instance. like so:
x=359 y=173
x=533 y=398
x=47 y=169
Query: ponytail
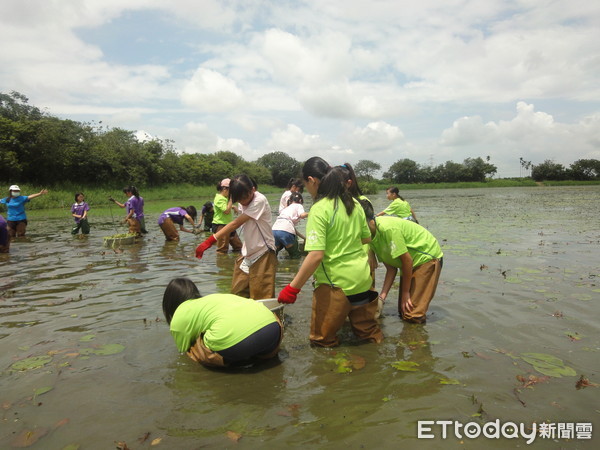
x=332 y=181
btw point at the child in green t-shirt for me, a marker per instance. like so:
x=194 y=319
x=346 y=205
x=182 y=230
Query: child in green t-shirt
x=405 y=245
x=399 y=207
x=335 y=233
x=219 y=329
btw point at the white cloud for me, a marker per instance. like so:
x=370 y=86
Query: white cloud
x=210 y=91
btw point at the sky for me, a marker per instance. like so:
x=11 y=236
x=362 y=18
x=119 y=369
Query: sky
x=379 y=80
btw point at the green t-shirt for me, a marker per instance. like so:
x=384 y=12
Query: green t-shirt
x=398 y=207
x=220 y=205
x=331 y=229
x=397 y=236
x=224 y=319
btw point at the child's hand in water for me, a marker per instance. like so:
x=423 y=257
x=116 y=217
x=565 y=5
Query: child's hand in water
x=205 y=246
x=288 y=294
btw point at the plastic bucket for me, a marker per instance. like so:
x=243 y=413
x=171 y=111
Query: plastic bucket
x=274 y=306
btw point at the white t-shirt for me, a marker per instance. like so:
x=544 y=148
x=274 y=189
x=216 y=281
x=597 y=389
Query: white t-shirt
x=284 y=199
x=289 y=218
x=257 y=233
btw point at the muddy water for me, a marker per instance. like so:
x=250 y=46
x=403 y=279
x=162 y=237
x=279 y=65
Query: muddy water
x=521 y=275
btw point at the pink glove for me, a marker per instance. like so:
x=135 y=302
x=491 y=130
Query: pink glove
x=205 y=246
x=288 y=294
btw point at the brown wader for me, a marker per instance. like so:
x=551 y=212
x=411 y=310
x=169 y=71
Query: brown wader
x=200 y=353
x=330 y=308
x=224 y=241
x=423 y=284
x=136 y=227
x=17 y=228
x=259 y=283
x=168 y=227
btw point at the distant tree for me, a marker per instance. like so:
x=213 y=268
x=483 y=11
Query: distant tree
x=585 y=169
x=476 y=169
x=281 y=166
x=403 y=171
x=366 y=168
x=548 y=170
x=14 y=106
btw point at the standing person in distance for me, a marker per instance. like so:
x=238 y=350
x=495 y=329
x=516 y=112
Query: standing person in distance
x=134 y=207
x=16 y=218
x=79 y=211
x=254 y=271
x=335 y=232
x=223 y=215
x=206 y=216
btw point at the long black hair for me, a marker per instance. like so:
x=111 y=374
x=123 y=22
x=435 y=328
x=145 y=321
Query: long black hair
x=394 y=190
x=178 y=291
x=133 y=191
x=240 y=186
x=332 y=184
x=353 y=186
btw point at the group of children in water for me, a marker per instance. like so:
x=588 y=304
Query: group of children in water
x=342 y=231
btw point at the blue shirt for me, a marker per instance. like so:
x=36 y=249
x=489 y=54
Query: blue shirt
x=15 y=208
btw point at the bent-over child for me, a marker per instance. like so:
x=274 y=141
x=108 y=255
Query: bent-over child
x=4 y=237
x=176 y=215
x=284 y=228
x=406 y=245
x=220 y=330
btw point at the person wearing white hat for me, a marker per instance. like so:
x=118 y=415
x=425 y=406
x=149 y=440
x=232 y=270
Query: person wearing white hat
x=15 y=205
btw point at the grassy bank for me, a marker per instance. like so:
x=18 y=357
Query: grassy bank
x=97 y=196
x=62 y=197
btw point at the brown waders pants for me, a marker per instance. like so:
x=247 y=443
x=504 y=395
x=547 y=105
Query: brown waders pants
x=329 y=310
x=423 y=284
x=168 y=227
x=200 y=353
x=224 y=241
x=17 y=228
x=136 y=227
x=259 y=283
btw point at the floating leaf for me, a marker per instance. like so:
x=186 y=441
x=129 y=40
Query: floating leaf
x=346 y=363
x=87 y=338
x=573 y=336
x=42 y=390
x=71 y=447
x=449 y=381
x=28 y=437
x=156 y=441
x=405 y=366
x=234 y=436
x=33 y=362
x=109 y=349
x=548 y=365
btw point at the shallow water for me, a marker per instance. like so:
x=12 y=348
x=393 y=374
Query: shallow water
x=521 y=274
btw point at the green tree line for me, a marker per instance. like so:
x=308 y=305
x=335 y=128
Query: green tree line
x=38 y=148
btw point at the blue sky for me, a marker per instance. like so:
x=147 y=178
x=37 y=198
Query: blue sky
x=347 y=80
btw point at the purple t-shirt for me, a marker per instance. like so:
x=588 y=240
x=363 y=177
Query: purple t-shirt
x=176 y=214
x=79 y=208
x=137 y=205
x=3 y=232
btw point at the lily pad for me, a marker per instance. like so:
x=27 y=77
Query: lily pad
x=33 y=362
x=108 y=349
x=405 y=366
x=449 y=381
x=548 y=365
x=87 y=338
x=347 y=363
x=42 y=390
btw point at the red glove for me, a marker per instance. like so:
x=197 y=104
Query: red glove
x=205 y=246
x=288 y=294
